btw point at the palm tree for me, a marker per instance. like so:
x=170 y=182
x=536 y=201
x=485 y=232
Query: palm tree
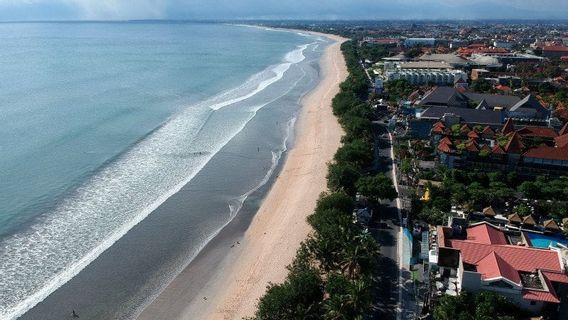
x=358 y=253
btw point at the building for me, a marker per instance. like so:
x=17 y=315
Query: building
x=421 y=127
x=554 y=51
x=391 y=66
x=379 y=86
x=450 y=97
x=452 y=60
x=503 y=45
x=528 y=108
x=525 y=149
x=386 y=42
x=419 y=42
x=479 y=49
x=425 y=76
x=483 y=257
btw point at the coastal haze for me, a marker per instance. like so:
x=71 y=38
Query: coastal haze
x=118 y=118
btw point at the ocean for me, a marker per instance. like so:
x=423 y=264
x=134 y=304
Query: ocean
x=126 y=147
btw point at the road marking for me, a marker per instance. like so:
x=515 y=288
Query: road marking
x=399 y=242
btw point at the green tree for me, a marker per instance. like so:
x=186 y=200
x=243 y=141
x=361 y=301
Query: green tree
x=343 y=176
x=522 y=210
x=357 y=151
x=406 y=166
x=529 y=190
x=453 y=308
x=299 y=297
x=336 y=200
x=377 y=187
x=481 y=85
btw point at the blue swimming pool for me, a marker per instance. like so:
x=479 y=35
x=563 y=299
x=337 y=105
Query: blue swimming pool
x=538 y=240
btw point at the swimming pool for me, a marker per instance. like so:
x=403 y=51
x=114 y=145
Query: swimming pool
x=538 y=240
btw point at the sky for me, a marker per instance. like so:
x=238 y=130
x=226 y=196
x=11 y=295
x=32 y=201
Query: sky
x=16 y=10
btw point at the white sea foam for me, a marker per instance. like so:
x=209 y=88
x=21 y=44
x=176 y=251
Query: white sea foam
x=277 y=71
x=52 y=251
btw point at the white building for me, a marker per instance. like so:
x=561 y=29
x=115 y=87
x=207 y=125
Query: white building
x=426 y=76
x=503 y=45
x=419 y=42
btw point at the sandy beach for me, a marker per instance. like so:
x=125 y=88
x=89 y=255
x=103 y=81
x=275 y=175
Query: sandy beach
x=238 y=279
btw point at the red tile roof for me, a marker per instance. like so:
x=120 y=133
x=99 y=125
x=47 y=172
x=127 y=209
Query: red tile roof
x=508 y=127
x=472 y=134
x=561 y=141
x=439 y=124
x=498 y=150
x=471 y=146
x=523 y=259
x=439 y=130
x=548 y=153
x=503 y=88
x=493 y=266
x=538 y=295
x=447 y=141
x=555 y=49
x=488 y=132
x=444 y=147
x=556 y=277
x=486 y=233
x=515 y=144
x=541 y=132
x=564 y=129
x=487 y=249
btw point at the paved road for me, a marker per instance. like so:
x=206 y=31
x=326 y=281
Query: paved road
x=387 y=231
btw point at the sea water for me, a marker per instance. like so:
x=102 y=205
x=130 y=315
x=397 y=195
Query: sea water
x=101 y=123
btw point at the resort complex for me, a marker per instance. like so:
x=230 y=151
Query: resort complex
x=476 y=118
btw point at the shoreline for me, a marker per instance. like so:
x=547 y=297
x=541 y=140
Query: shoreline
x=234 y=282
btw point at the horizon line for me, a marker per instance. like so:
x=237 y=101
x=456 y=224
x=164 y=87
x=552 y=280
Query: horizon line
x=316 y=20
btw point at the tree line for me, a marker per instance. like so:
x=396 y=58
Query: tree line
x=331 y=275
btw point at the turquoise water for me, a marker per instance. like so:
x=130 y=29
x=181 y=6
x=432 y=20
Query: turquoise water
x=100 y=123
x=74 y=96
x=545 y=241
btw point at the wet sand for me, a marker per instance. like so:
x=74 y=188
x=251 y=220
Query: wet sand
x=230 y=281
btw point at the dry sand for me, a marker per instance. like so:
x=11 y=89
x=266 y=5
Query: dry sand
x=278 y=228
x=275 y=234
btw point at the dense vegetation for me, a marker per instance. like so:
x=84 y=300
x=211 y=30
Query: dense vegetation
x=471 y=190
x=398 y=89
x=486 y=305
x=474 y=190
x=332 y=272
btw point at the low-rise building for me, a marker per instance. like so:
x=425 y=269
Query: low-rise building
x=554 y=51
x=503 y=45
x=527 y=150
x=423 y=77
x=453 y=60
x=482 y=258
x=419 y=42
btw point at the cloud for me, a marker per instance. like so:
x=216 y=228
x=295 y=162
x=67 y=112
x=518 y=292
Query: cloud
x=120 y=9
x=278 y=9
